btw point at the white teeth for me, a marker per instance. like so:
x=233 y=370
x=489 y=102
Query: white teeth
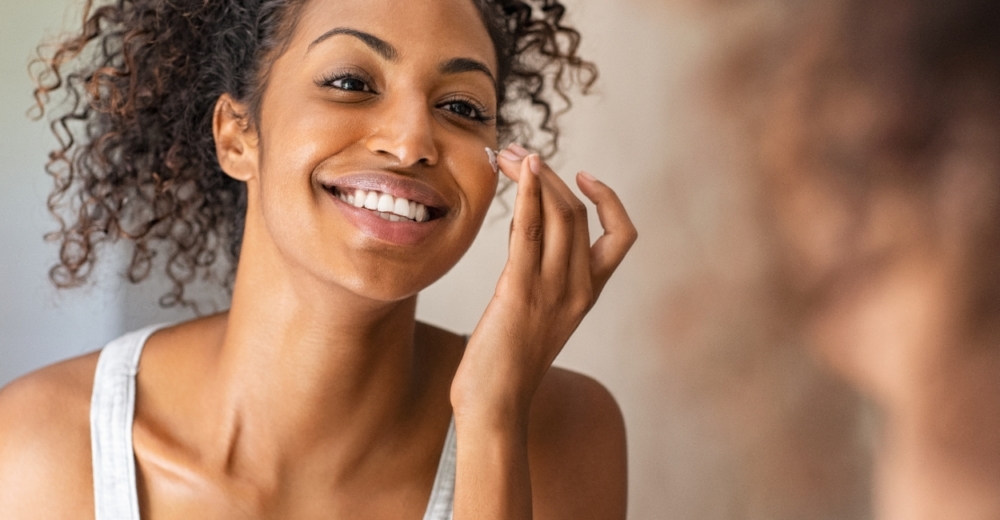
x=386 y=203
x=401 y=207
x=386 y=206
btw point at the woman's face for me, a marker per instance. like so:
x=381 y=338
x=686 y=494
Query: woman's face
x=372 y=169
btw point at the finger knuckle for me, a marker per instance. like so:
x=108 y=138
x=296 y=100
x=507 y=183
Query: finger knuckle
x=581 y=302
x=565 y=213
x=534 y=232
x=563 y=296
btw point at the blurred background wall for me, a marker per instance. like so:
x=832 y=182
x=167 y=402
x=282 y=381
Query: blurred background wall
x=727 y=417
x=37 y=324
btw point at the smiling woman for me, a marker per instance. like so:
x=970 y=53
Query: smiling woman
x=341 y=154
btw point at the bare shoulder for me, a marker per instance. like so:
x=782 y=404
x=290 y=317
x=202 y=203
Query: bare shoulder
x=577 y=450
x=45 y=468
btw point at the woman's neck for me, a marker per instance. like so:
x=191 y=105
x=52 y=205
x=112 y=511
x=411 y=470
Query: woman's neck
x=305 y=365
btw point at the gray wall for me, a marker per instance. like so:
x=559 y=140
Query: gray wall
x=37 y=324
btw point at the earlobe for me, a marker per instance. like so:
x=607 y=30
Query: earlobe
x=235 y=141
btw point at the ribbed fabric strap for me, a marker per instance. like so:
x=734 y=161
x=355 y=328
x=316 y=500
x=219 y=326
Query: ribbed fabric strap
x=443 y=494
x=112 y=408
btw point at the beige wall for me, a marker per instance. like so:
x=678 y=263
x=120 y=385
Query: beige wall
x=727 y=418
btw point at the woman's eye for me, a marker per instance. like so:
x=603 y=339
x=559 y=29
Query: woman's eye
x=350 y=84
x=464 y=109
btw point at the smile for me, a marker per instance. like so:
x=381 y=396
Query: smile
x=388 y=207
x=384 y=205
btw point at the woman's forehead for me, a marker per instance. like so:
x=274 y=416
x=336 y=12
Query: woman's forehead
x=446 y=28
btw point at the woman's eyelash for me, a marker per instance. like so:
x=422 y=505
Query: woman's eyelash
x=346 y=80
x=352 y=81
x=478 y=111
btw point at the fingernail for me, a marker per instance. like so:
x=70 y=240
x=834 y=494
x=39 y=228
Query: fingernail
x=535 y=164
x=518 y=150
x=589 y=177
x=510 y=156
x=493 y=159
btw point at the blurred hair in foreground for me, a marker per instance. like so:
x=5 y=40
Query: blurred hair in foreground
x=876 y=129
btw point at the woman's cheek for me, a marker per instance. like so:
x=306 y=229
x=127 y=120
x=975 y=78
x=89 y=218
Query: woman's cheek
x=476 y=177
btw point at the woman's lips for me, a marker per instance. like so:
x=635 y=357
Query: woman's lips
x=393 y=209
x=395 y=186
x=400 y=211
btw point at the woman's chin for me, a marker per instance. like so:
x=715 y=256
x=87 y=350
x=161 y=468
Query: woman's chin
x=384 y=287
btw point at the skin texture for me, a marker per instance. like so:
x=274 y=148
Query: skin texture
x=318 y=395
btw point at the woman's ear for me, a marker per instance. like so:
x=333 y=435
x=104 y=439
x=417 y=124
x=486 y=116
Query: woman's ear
x=235 y=140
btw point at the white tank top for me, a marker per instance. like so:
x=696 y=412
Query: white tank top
x=112 y=409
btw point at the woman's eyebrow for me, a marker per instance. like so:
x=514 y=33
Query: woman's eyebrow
x=382 y=47
x=460 y=65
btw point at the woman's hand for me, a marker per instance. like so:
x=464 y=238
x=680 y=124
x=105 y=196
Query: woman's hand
x=552 y=278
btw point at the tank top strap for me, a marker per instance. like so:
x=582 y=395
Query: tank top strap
x=442 y=500
x=112 y=409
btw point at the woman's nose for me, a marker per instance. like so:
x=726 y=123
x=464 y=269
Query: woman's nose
x=405 y=132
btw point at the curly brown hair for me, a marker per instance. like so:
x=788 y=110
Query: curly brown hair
x=136 y=158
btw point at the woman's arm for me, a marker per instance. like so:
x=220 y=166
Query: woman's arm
x=552 y=278
x=45 y=467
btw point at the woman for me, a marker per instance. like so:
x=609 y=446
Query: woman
x=337 y=150
x=879 y=141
